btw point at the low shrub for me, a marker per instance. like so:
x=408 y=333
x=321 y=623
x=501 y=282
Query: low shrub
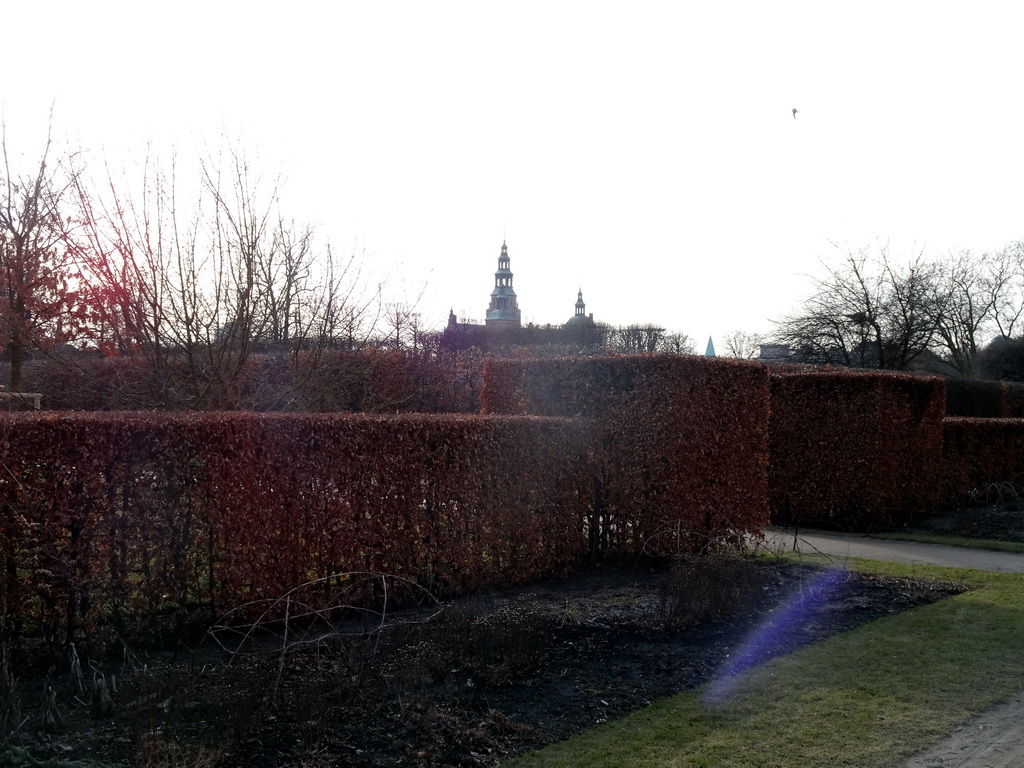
x=712 y=587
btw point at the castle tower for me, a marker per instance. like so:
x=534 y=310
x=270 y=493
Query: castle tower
x=503 y=311
x=581 y=317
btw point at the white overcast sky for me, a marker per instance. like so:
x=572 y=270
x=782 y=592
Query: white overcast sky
x=645 y=152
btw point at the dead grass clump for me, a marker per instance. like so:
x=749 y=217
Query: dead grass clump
x=164 y=754
x=709 y=587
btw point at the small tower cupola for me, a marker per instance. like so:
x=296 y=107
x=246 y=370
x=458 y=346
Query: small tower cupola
x=581 y=317
x=503 y=311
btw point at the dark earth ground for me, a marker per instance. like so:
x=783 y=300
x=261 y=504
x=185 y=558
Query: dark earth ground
x=467 y=683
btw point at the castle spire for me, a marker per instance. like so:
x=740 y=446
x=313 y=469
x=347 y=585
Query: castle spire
x=503 y=311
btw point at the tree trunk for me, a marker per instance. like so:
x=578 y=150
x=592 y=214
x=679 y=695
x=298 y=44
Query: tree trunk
x=17 y=359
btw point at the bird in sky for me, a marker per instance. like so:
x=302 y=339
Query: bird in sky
x=794 y=113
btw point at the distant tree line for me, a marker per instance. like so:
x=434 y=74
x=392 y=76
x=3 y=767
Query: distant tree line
x=191 y=275
x=959 y=314
x=561 y=340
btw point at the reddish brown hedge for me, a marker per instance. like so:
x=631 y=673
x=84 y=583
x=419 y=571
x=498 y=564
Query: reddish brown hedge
x=985 y=399
x=133 y=516
x=1012 y=405
x=366 y=381
x=984 y=459
x=975 y=399
x=854 y=450
x=680 y=443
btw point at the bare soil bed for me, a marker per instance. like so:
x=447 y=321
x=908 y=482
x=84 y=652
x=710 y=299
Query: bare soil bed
x=471 y=683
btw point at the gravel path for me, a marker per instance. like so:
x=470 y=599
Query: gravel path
x=992 y=740
x=840 y=545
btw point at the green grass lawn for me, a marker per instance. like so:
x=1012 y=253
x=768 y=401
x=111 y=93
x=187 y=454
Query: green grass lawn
x=870 y=697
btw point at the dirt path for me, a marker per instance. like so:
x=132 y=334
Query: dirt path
x=994 y=739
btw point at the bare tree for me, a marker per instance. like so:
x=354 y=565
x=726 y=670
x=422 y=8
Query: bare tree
x=294 y=279
x=197 y=284
x=869 y=311
x=637 y=339
x=402 y=324
x=982 y=296
x=39 y=302
x=678 y=343
x=743 y=345
x=1007 y=286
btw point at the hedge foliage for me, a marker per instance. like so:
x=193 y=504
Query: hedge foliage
x=985 y=399
x=854 y=450
x=680 y=449
x=984 y=460
x=362 y=381
x=128 y=516
x=132 y=520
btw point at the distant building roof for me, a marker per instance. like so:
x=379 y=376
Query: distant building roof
x=773 y=353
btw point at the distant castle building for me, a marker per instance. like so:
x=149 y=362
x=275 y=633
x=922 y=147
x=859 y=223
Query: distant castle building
x=503 y=321
x=503 y=311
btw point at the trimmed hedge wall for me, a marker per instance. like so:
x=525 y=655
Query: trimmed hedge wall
x=134 y=516
x=680 y=443
x=979 y=455
x=984 y=399
x=367 y=381
x=854 y=450
x=137 y=518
